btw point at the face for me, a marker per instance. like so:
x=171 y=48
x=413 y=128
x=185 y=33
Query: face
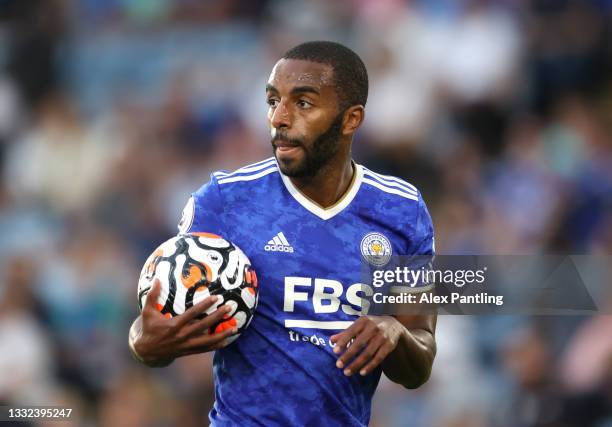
x=305 y=124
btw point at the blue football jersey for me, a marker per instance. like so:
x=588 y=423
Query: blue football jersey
x=282 y=369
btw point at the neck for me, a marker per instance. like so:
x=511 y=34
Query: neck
x=328 y=185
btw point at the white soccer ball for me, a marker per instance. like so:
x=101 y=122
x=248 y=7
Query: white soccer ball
x=192 y=267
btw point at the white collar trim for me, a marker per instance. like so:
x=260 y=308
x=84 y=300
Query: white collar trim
x=330 y=212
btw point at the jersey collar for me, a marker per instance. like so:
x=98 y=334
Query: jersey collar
x=336 y=208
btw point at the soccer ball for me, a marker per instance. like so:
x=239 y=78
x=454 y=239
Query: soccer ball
x=192 y=267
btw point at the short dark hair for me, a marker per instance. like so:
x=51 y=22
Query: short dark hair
x=350 y=74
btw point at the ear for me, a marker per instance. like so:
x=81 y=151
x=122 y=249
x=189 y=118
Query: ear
x=353 y=117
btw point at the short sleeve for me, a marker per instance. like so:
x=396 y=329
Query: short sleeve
x=203 y=211
x=423 y=237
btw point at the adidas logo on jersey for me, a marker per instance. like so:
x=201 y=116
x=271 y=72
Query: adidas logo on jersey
x=279 y=244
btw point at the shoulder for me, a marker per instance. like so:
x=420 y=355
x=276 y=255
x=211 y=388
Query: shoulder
x=246 y=174
x=236 y=181
x=396 y=199
x=402 y=205
x=391 y=186
x=208 y=205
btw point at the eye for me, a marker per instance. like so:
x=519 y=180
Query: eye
x=272 y=102
x=304 y=104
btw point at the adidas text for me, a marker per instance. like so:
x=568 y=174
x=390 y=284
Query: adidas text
x=278 y=248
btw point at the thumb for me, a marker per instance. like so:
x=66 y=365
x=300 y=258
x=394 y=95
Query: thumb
x=153 y=295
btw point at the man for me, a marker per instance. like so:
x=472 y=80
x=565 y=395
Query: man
x=307 y=218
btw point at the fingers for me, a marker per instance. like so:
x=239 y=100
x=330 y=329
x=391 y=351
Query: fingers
x=153 y=294
x=343 y=338
x=150 y=305
x=222 y=344
x=360 y=342
x=207 y=322
x=204 y=343
x=382 y=352
x=195 y=311
x=366 y=355
x=368 y=348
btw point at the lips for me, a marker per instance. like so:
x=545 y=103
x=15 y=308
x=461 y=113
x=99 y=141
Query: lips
x=285 y=144
x=285 y=148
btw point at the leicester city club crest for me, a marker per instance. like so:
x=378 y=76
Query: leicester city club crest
x=376 y=249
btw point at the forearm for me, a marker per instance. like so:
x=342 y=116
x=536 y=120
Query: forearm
x=410 y=363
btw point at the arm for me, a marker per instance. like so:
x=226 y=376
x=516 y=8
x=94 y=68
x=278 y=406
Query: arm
x=156 y=341
x=404 y=344
x=410 y=363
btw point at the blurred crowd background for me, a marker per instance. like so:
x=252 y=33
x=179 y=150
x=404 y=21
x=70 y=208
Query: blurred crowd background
x=113 y=111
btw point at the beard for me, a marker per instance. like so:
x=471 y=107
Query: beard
x=320 y=153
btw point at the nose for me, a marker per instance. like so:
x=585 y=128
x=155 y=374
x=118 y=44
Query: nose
x=280 y=118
